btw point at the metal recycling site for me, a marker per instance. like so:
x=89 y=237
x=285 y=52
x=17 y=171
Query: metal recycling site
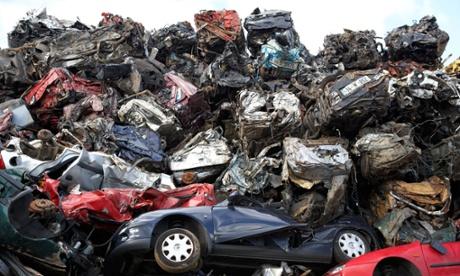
x=227 y=148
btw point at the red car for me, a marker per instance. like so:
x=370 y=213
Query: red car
x=414 y=259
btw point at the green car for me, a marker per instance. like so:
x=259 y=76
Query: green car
x=35 y=231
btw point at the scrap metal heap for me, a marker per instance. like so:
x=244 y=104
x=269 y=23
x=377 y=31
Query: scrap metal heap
x=112 y=121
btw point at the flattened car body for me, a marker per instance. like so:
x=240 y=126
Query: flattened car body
x=354 y=97
x=384 y=155
x=264 y=118
x=202 y=157
x=308 y=164
x=423 y=41
x=263 y=26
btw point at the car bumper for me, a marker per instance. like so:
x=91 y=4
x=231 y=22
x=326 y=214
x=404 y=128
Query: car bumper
x=116 y=257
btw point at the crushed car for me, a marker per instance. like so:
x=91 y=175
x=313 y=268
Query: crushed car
x=238 y=228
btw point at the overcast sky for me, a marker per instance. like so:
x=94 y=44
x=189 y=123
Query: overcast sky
x=312 y=19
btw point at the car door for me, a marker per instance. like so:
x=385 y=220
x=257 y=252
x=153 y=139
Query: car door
x=248 y=232
x=234 y=222
x=447 y=264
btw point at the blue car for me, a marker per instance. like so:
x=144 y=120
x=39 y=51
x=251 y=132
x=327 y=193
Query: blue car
x=239 y=231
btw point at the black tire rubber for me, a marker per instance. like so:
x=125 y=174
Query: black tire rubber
x=341 y=257
x=191 y=264
x=395 y=269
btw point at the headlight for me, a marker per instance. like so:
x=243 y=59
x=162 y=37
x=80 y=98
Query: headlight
x=135 y=232
x=336 y=271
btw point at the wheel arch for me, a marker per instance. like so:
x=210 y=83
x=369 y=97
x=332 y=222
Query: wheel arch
x=415 y=271
x=187 y=222
x=373 y=240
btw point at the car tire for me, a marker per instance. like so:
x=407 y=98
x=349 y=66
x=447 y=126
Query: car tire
x=349 y=244
x=177 y=250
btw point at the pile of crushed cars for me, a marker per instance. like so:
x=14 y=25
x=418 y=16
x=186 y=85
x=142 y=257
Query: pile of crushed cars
x=103 y=127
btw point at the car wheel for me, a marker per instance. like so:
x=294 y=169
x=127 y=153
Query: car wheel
x=177 y=251
x=349 y=244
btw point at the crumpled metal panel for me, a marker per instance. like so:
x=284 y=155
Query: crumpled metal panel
x=120 y=205
x=426 y=85
x=429 y=100
x=16 y=73
x=214 y=30
x=268 y=19
x=40 y=25
x=278 y=62
x=253 y=104
x=172 y=40
x=262 y=26
x=392 y=222
x=252 y=175
x=206 y=151
x=14 y=158
x=307 y=207
x=355 y=49
x=430 y=197
x=231 y=69
x=225 y=24
x=417 y=230
x=401 y=225
x=354 y=97
x=314 y=166
x=422 y=42
x=382 y=155
x=283 y=270
x=431 y=194
x=142 y=113
x=85 y=48
x=20 y=115
x=266 y=116
x=56 y=86
x=445 y=158
x=136 y=143
x=307 y=166
x=181 y=90
x=188 y=104
x=92 y=135
x=95 y=170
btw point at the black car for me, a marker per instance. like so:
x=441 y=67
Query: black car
x=238 y=231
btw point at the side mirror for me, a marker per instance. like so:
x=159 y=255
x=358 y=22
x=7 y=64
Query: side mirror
x=436 y=245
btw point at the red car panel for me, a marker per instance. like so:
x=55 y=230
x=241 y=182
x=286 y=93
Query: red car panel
x=120 y=205
x=224 y=24
x=57 y=85
x=428 y=260
x=443 y=264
